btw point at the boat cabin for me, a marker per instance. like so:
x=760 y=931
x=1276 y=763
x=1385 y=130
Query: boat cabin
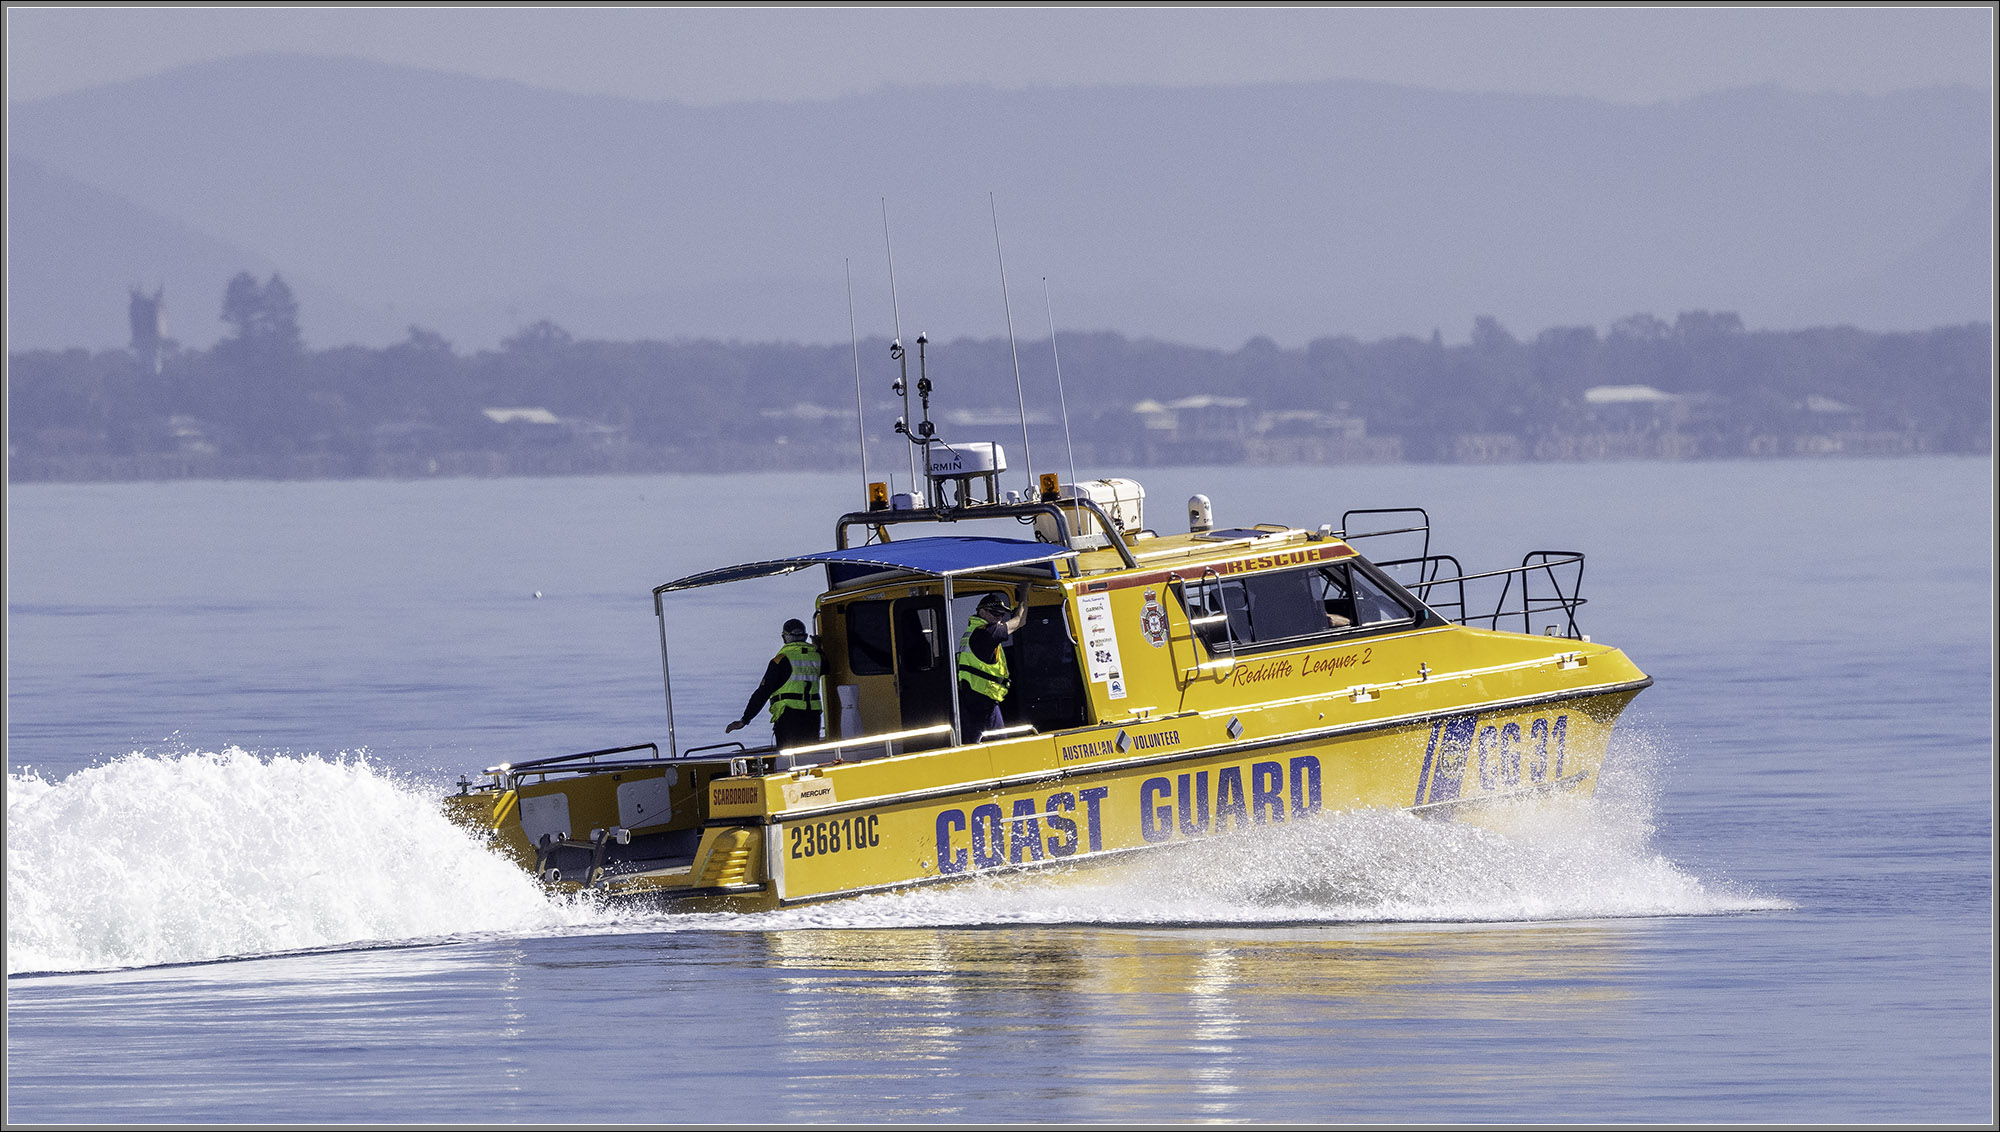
x=1122 y=622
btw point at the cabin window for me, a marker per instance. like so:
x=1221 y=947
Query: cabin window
x=1289 y=607
x=869 y=647
x=1351 y=599
x=1284 y=605
x=920 y=634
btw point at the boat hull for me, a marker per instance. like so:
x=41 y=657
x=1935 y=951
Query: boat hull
x=827 y=832
x=1436 y=767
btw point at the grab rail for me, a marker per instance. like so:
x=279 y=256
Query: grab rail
x=1550 y=567
x=1210 y=582
x=1423 y=528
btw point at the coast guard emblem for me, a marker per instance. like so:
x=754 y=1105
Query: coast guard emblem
x=1153 y=622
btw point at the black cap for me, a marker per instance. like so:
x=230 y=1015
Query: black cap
x=795 y=627
x=995 y=601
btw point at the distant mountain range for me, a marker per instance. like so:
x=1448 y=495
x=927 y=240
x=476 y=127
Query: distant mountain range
x=390 y=196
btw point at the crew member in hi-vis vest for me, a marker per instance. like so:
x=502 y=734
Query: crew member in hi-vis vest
x=982 y=662
x=791 y=683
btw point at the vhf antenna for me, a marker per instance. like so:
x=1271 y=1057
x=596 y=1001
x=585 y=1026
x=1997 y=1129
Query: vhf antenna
x=854 y=341
x=1027 y=453
x=902 y=386
x=1060 y=399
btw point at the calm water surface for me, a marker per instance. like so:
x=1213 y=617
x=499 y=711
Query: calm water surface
x=229 y=898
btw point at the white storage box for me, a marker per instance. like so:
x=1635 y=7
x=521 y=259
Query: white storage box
x=1123 y=502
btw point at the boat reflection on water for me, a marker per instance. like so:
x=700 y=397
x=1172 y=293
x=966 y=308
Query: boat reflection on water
x=1224 y=1018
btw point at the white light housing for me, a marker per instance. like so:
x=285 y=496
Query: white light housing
x=1200 y=516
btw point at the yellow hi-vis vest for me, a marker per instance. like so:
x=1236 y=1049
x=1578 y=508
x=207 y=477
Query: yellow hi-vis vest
x=989 y=680
x=802 y=690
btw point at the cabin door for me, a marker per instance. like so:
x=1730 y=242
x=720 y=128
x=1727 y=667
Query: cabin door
x=923 y=664
x=1048 y=686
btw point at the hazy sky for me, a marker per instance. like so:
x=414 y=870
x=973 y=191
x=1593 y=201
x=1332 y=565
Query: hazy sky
x=711 y=55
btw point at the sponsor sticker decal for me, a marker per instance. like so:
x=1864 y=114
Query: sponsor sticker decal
x=1100 y=643
x=808 y=792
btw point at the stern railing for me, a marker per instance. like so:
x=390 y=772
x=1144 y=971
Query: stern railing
x=509 y=774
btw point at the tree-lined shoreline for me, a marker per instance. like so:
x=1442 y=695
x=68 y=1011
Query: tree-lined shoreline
x=259 y=404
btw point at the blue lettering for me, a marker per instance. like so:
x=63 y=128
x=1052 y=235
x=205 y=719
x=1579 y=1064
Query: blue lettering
x=1451 y=740
x=1538 y=763
x=1510 y=754
x=1305 y=785
x=1430 y=756
x=989 y=847
x=1065 y=845
x=949 y=860
x=1229 y=798
x=1027 y=832
x=1487 y=737
x=1156 y=823
x=1562 y=742
x=1091 y=798
x=1194 y=804
x=1265 y=797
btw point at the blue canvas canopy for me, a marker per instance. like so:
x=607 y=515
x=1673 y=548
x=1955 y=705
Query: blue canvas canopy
x=936 y=557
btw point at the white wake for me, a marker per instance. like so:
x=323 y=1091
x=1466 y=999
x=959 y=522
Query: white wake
x=1559 y=859
x=155 y=859
x=169 y=859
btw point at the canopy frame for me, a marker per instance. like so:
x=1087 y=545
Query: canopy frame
x=945 y=557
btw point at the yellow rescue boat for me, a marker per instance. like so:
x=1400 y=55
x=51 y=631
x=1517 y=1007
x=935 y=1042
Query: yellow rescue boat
x=1165 y=687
